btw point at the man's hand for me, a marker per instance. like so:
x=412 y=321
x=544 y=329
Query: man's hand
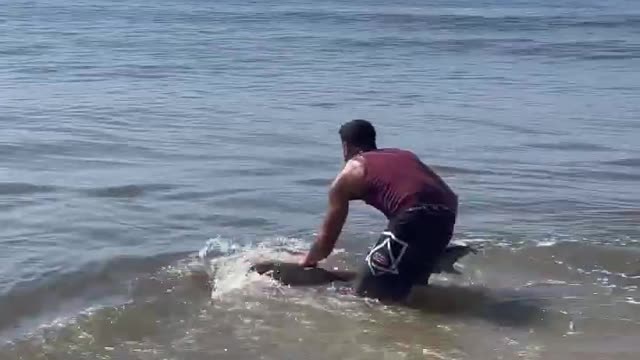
x=319 y=251
x=305 y=262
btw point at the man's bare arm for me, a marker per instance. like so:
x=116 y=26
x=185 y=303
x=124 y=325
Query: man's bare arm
x=344 y=188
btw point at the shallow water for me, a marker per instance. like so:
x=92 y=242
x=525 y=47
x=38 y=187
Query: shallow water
x=133 y=132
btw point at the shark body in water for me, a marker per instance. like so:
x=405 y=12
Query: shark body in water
x=293 y=274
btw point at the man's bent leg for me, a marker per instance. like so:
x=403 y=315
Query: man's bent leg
x=389 y=271
x=405 y=254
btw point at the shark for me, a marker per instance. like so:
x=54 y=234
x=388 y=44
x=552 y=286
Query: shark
x=292 y=274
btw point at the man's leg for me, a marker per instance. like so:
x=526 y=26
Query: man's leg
x=389 y=270
x=404 y=255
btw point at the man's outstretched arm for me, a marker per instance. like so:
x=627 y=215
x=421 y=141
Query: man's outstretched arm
x=342 y=190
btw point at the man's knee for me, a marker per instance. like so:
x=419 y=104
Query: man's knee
x=383 y=287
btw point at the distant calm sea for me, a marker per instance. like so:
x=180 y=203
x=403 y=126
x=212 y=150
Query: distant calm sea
x=132 y=132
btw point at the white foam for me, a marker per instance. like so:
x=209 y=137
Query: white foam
x=219 y=244
x=230 y=271
x=470 y=240
x=630 y=276
x=433 y=354
x=234 y=283
x=545 y=282
x=633 y=301
x=546 y=243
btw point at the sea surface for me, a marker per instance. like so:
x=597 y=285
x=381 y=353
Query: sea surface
x=135 y=133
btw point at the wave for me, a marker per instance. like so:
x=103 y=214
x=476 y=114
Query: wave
x=20 y=188
x=630 y=162
x=582 y=50
x=116 y=280
x=165 y=314
x=230 y=265
x=434 y=20
x=454 y=170
x=315 y=182
x=119 y=191
x=211 y=194
x=602 y=175
x=569 y=145
x=126 y=191
x=90 y=283
x=570 y=260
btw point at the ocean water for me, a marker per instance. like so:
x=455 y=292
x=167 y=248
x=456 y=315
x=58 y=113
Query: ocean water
x=134 y=133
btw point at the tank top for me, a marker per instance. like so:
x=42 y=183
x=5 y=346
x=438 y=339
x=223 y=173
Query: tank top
x=396 y=180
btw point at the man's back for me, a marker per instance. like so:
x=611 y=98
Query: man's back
x=396 y=180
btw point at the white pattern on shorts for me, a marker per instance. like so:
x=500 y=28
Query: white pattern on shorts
x=386 y=244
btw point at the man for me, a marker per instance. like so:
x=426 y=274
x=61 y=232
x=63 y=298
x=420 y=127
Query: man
x=419 y=205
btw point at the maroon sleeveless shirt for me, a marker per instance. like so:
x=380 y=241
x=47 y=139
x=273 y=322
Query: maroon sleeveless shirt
x=396 y=180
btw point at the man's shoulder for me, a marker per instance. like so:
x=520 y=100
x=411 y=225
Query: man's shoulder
x=351 y=179
x=355 y=167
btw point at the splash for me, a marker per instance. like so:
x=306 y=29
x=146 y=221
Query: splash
x=228 y=263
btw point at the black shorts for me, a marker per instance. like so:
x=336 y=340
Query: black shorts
x=406 y=252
